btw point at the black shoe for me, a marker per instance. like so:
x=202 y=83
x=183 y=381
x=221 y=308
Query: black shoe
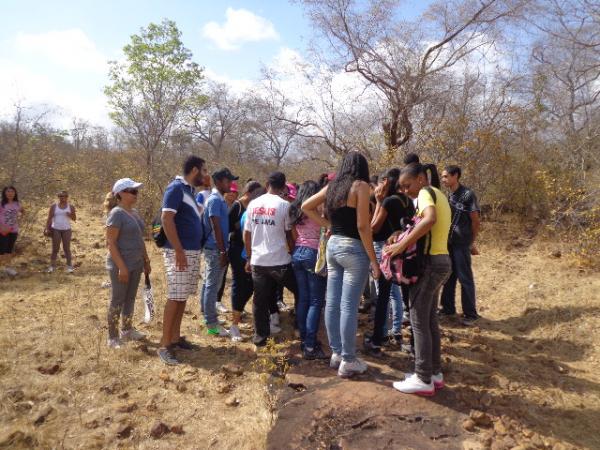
x=167 y=356
x=184 y=344
x=469 y=321
x=443 y=313
x=371 y=349
x=315 y=353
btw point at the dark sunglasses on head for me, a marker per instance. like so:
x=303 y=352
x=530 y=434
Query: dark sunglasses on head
x=131 y=191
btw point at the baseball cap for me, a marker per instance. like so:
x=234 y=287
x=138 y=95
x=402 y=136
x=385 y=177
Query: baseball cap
x=125 y=183
x=224 y=173
x=292 y=191
x=233 y=187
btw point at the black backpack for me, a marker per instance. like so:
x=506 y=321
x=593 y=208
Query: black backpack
x=415 y=266
x=158 y=232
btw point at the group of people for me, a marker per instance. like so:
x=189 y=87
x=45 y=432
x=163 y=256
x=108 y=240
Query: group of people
x=325 y=241
x=58 y=228
x=322 y=240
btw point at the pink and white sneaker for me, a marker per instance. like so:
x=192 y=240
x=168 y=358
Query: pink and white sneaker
x=437 y=379
x=414 y=385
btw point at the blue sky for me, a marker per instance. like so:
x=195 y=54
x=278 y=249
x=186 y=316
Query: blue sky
x=55 y=51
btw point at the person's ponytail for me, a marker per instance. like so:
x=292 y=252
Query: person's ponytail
x=434 y=177
x=110 y=201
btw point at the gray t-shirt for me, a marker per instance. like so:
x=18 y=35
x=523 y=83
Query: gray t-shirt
x=130 y=241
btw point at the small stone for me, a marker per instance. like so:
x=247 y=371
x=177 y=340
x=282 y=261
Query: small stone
x=124 y=431
x=92 y=424
x=164 y=376
x=469 y=425
x=224 y=388
x=151 y=406
x=480 y=418
x=527 y=433
x=181 y=387
x=536 y=440
x=232 y=369
x=486 y=400
x=43 y=415
x=127 y=408
x=49 y=370
x=159 y=429
x=232 y=401
x=177 y=429
x=556 y=254
x=500 y=428
x=16 y=395
x=201 y=393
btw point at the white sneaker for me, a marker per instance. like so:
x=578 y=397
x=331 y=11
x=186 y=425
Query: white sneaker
x=335 y=361
x=348 y=369
x=10 y=271
x=414 y=385
x=405 y=318
x=132 y=335
x=282 y=306
x=50 y=269
x=235 y=334
x=275 y=329
x=221 y=308
x=70 y=269
x=114 y=343
x=274 y=318
x=437 y=379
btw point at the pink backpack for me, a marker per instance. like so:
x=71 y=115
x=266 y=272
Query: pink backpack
x=392 y=267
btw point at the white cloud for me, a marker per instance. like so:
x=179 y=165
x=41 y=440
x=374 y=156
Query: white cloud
x=71 y=49
x=239 y=27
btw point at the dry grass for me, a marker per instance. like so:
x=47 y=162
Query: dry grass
x=535 y=357
x=48 y=319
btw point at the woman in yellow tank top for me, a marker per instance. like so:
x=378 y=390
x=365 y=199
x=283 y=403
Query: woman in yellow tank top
x=436 y=217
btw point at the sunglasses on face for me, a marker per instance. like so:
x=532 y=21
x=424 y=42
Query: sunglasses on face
x=131 y=191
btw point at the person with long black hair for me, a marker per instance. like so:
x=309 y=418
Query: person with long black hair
x=392 y=207
x=11 y=211
x=434 y=210
x=350 y=253
x=311 y=287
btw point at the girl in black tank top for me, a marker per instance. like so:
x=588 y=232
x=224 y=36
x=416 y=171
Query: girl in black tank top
x=344 y=222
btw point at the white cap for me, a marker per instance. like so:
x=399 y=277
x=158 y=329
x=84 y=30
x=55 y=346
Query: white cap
x=125 y=183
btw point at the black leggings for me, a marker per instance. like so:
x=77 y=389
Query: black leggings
x=241 y=284
x=7 y=243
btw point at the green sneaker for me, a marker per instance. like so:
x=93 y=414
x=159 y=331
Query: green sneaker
x=217 y=331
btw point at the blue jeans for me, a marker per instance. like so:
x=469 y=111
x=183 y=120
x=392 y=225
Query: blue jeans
x=386 y=290
x=460 y=256
x=213 y=276
x=311 y=293
x=347 y=273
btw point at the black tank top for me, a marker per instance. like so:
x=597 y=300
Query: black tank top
x=343 y=222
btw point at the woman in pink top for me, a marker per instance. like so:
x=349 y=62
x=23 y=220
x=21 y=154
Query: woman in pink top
x=311 y=287
x=10 y=212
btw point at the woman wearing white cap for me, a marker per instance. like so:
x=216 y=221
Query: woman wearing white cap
x=126 y=259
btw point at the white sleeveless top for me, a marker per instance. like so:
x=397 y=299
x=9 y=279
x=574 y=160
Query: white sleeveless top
x=61 y=219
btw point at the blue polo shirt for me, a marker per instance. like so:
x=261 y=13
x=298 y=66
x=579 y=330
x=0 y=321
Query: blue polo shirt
x=179 y=198
x=216 y=206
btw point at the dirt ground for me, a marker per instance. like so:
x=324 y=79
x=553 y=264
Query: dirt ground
x=528 y=374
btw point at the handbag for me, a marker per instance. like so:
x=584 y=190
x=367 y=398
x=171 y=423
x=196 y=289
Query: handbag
x=321 y=264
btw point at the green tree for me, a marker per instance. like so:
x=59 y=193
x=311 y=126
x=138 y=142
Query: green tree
x=150 y=89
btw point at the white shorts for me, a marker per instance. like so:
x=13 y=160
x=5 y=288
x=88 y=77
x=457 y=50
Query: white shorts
x=182 y=283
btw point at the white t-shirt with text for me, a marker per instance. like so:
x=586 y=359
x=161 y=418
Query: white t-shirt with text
x=268 y=219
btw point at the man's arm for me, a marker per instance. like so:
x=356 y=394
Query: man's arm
x=168 y=223
x=248 y=246
x=214 y=221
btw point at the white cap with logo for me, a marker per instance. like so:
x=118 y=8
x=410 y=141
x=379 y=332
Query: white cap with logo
x=125 y=183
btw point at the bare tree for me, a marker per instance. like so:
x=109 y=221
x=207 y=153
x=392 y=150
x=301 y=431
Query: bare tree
x=214 y=119
x=79 y=132
x=404 y=59
x=274 y=118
